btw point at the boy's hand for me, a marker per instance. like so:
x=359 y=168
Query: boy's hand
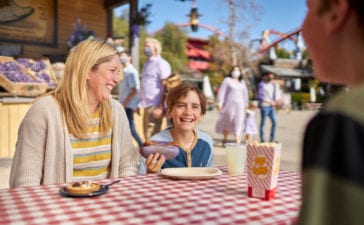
x=154 y=162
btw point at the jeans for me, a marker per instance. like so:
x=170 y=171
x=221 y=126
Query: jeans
x=134 y=133
x=271 y=113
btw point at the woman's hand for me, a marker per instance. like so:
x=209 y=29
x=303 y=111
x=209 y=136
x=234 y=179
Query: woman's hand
x=154 y=162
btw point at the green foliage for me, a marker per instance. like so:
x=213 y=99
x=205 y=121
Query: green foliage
x=173 y=41
x=142 y=36
x=300 y=98
x=220 y=58
x=282 y=53
x=142 y=15
x=305 y=54
x=120 y=26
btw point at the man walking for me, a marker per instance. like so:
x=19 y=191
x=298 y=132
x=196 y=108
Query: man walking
x=155 y=71
x=267 y=96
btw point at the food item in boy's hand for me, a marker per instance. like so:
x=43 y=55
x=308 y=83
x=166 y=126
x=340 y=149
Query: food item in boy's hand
x=168 y=149
x=82 y=187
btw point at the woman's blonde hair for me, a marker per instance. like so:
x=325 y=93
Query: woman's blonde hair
x=71 y=93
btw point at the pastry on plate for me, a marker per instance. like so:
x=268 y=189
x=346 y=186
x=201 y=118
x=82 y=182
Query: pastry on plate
x=82 y=187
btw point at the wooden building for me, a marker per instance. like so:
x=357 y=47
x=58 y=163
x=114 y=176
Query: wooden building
x=46 y=31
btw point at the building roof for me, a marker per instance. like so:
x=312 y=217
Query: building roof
x=196 y=52
x=198 y=65
x=288 y=72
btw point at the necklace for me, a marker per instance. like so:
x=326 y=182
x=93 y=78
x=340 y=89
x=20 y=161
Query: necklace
x=187 y=148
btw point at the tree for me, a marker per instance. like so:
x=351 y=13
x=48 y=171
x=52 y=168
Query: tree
x=120 y=26
x=221 y=63
x=239 y=10
x=174 y=41
x=282 y=53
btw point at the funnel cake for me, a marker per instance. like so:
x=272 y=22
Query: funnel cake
x=82 y=188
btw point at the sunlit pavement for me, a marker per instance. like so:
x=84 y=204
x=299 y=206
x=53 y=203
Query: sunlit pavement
x=289 y=131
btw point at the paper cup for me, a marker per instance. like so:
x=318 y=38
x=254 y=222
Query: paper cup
x=236 y=157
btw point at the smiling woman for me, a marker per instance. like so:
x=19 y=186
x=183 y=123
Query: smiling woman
x=77 y=132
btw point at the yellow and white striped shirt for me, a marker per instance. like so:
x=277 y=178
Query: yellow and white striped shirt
x=92 y=155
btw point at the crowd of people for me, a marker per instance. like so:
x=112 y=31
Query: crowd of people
x=79 y=132
x=87 y=132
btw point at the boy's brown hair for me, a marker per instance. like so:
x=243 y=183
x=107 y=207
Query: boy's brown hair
x=181 y=91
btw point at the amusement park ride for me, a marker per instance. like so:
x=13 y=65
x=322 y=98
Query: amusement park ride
x=293 y=67
x=262 y=51
x=266 y=46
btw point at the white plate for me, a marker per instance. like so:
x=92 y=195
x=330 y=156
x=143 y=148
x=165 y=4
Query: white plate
x=193 y=173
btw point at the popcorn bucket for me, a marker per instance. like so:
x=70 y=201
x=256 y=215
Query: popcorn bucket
x=263 y=167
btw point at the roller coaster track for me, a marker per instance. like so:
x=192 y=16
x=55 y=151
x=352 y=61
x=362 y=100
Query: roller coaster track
x=265 y=45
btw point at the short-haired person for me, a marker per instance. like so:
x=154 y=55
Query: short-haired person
x=186 y=105
x=267 y=96
x=77 y=132
x=155 y=71
x=129 y=93
x=333 y=145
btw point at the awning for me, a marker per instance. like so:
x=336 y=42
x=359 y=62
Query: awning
x=288 y=72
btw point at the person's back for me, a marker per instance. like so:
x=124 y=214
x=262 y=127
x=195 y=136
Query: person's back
x=332 y=159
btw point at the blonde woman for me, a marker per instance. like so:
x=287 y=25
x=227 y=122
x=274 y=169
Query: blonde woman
x=78 y=132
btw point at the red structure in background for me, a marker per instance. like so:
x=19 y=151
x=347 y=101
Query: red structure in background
x=199 y=58
x=266 y=44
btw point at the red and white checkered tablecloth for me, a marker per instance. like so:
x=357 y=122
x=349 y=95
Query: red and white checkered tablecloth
x=152 y=199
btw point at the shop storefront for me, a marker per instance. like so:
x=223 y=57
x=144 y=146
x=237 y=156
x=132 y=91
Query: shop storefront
x=34 y=40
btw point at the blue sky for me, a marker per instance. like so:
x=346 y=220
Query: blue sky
x=280 y=15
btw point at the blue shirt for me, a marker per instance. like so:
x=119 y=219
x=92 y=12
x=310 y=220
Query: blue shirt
x=201 y=153
x=131 y=79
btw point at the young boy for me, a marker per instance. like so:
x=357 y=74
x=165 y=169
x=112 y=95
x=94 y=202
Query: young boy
x=186 y=106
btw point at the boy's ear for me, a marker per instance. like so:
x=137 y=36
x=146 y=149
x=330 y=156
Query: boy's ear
x=200 y=117
x=338 y=15
x=169 y=114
